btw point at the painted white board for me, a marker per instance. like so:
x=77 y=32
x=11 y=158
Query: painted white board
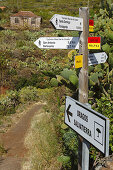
x=64 y=22
x=88 y=123
x=97 y=58
x=57 y=42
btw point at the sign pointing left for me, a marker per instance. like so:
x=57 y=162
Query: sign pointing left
x=69 y=113
x=58 y=42
x=91 y=125
x=64 y=22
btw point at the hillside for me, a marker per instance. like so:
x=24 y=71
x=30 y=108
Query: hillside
x=30 y=74
x=47 y=8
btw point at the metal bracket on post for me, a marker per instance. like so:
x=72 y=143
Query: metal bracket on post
x=107 y=138
x=85 y=155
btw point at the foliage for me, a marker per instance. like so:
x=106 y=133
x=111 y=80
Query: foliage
x=9 y=102
x=105 y=107
x=27 y=68
x=54 y=82
x=64 y=160
x=2 y=150
x=12 y=99
x=27 y=94
x=70 y=142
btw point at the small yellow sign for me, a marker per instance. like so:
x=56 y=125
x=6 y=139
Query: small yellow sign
x=78 y=61
x=94 y=46
x=91 y=28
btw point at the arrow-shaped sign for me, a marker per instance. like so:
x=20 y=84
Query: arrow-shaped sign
x=97 y=58
x=58 y=42
x=91 y=125
x=64 y=22
x=69 y=113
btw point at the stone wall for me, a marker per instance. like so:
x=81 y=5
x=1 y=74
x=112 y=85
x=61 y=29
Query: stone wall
x=22 y=24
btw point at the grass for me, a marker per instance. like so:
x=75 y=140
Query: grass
x=43 y=145
x=47 y=8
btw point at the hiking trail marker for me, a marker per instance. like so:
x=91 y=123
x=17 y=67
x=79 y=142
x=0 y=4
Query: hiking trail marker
x=97 y=58
x=94 y=42
x=91 y=25
x=78 y=61
x=58 y=42
x=91 y=125
x=94 y=58
x=64 y=22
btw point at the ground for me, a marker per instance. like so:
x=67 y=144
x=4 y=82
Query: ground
x=13 y=141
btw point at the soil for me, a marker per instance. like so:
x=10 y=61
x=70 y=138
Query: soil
x=13 y=141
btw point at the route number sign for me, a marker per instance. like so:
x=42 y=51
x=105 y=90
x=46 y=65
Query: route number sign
x=91 y=25
x=94 y=42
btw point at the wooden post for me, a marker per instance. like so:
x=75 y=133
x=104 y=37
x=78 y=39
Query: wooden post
x=83 y=74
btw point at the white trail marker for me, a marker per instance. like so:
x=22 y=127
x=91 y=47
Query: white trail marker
x=58 y=42
x=97 y=58
x=91 y=125
x=64 y=22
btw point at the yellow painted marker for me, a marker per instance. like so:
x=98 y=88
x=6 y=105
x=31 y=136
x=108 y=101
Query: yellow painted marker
x=91 y=28
x=94 y=46
x=78 y=61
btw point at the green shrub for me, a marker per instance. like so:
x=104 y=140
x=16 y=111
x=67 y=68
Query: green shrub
x=28 y=94
x=54 y=82
x=66 y=73
x=9 y=102
x=74 y=79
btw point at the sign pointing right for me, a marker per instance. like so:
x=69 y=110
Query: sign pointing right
x=97 y=58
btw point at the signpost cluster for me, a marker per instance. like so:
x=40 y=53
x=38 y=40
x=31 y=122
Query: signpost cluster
x=92 y=127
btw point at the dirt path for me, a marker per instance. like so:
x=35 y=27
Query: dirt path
x=13 y=141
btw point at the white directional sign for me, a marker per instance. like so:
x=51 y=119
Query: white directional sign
x=58 y=42
x=97 y=58
x=64 y=22
x=91 y=125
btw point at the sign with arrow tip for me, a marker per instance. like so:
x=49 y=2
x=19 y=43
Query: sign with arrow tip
x=64 y=22
x=57 y=42
x=91 y=125
x=97 y=58
x=69 y=113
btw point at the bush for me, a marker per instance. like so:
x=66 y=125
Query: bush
x=9 y=102
x=27 y=94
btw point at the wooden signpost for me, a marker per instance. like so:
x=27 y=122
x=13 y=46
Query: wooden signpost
x=83 y=83
x=77 y=115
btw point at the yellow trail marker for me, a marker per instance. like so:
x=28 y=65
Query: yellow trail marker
x=94 y=46
x=78 y=61
x=91 y=28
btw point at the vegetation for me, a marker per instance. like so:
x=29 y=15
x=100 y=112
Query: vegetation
x=42 y=143
x=33 y=74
